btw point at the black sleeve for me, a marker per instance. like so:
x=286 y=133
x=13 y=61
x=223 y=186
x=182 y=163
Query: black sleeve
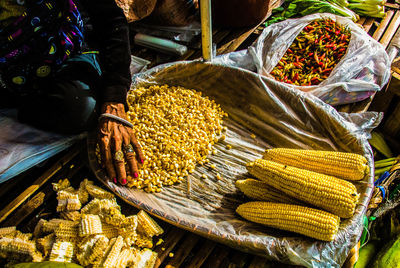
x=112 y=33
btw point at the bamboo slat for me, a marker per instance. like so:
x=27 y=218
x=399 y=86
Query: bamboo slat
x=390 y=30
x=382 y=26
x=31 y=189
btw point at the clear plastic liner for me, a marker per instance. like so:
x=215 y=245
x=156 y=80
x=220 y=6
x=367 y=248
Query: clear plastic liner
x=279 y=116
x=364 y=69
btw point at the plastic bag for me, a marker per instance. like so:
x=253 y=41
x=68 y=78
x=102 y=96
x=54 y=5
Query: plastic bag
x=278 y=116
x=23 y=146
x=363 y=70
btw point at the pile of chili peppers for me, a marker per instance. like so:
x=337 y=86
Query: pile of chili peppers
x=313 y=54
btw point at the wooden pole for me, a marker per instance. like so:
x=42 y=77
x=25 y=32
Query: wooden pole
x=206 y=29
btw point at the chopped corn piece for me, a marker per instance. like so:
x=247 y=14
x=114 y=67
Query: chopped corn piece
x=171 y=254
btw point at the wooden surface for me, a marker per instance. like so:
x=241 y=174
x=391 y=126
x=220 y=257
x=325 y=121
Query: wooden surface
x=29 y=196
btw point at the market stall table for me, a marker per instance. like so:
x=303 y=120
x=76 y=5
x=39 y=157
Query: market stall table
x=29 y=196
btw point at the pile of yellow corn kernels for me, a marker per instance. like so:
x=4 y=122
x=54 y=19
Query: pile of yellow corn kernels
x=90 y=232
x=176 y=128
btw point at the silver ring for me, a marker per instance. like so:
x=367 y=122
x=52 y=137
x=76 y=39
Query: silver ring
x=128 y=148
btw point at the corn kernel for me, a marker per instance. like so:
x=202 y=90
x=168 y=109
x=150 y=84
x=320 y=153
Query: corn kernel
x=171 y=254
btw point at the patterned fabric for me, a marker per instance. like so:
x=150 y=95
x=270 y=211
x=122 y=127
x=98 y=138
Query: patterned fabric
x=10 y=9
x=37 y=43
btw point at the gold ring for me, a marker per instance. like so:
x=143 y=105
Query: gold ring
x=128 y=148
x=119 y=156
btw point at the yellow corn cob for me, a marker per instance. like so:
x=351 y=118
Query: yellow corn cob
x=45 y=244
x=112 y=256
x=82 y=192
x=68 y=201
x=326 y=192
x=98 y=249
x=92 y=249
x=71 y=215
x=346 y=166
x=97 y=192
x=129 y=234
x=23 y=236
x=110 y=231
x=90 y=225
x=147 y=225
x=67 y=232
x=93 y=207
x=146 y=258
x=143 y=241
x=62 y=252
x=38 y=231
x=131 y=221
x=261 y=191
x=311 y=222
x=126 y=257
x=8 y=231
x=51 y=225
x=17 y=246
x=61 y=184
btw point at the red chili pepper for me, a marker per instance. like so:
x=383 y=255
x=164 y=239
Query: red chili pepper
x=289 y=50
x=297 y=65
x=296 y=76
x=337 y=32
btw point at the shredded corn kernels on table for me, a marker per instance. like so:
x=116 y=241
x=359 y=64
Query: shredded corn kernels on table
x=93 y=234
x=176 y=128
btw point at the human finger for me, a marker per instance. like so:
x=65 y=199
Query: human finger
x=129 y=152
x=136 y=147
x=106 y=156
x=119 y=155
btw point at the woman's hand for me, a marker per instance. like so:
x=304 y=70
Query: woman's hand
x=118 y=144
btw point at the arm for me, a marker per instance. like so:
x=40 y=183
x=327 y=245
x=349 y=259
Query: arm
x=115 y=139
x=112 y=33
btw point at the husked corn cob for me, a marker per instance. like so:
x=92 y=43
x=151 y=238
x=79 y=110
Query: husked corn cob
x=97 y=250
x=17 y=246
x=112 y=256
x=131 y=221
x=125 y=258
x=348 y=166
x=38 y=231
x=45 y=244
x=23 y=236
x=71 y=215
x=92 y=250
x=97 y=192
x=147 y=225
x=61 y=185
x=82 y=192
x=327 y=192
x=261 y=191
x=7 y=231
x=110 y=231
x=51 y=225
x=68 y=201
x=143 y=241
x=62 y=252
x=311 y=222
x=129 y=234
x=90 y=225
x=146 y=258
x=67 y=232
